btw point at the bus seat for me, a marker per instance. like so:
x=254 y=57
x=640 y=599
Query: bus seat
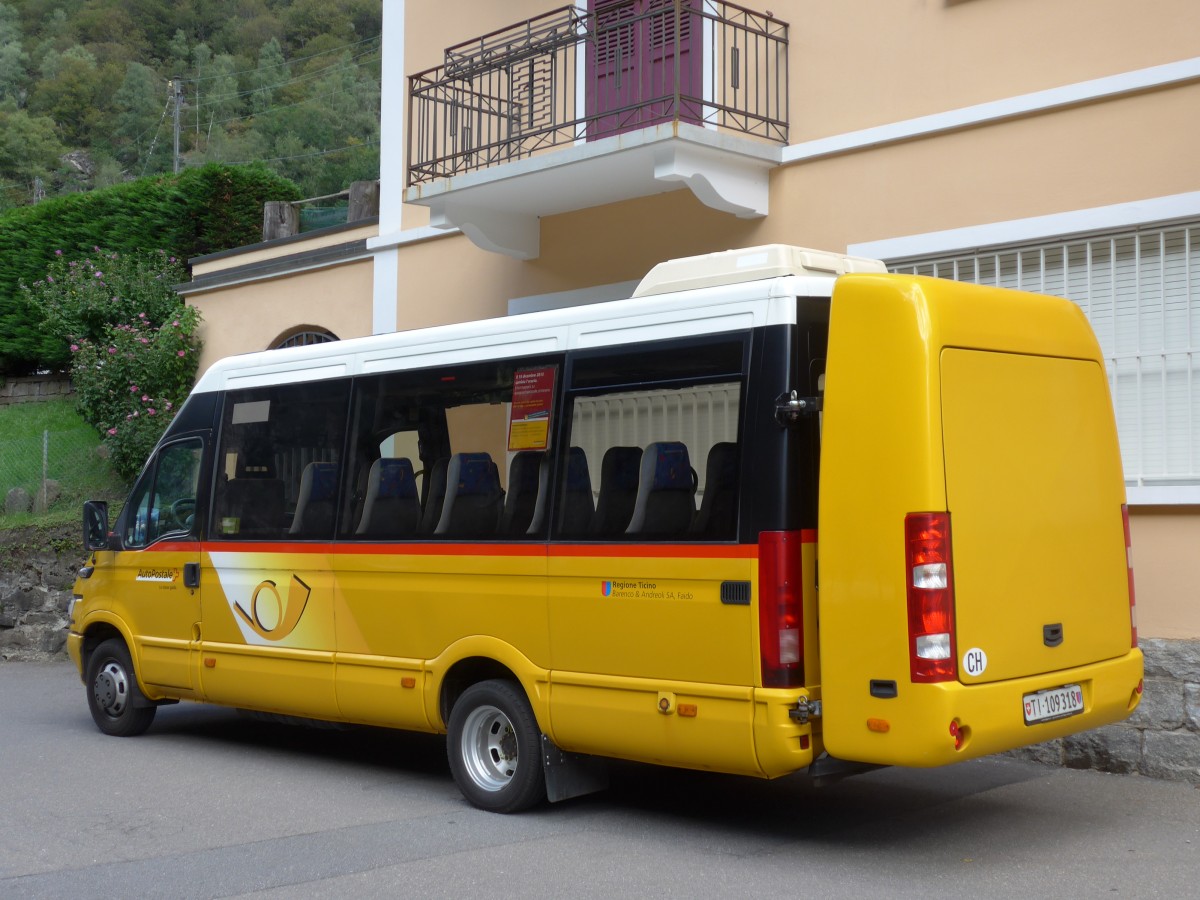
x=315 y=503
x=391 y=507
x=520 y=500
x=435 y=496
x=665 y=502
x=577 y=506
x=473 y=497
x=717 y=516
x=618 y=490
x=253 y=503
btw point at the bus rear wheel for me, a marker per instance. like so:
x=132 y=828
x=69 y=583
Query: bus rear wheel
x=115 y=701
x=494 y=748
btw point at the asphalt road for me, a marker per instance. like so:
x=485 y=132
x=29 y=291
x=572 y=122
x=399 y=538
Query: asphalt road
x=212 y=804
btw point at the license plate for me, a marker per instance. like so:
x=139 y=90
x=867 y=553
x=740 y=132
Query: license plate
x=1057 y=703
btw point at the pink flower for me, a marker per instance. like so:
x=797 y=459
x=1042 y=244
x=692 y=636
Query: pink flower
x=181 y=353
x=58 y=253
x=74 y=348
x=168 y=404
x=112 y=431
x=141 y=315
x=150 y=411
x=99 y=274
x=145 y=398
x=112 y=349
x=144 y=340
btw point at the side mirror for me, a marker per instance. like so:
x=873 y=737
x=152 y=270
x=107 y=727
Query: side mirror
x=95 y=525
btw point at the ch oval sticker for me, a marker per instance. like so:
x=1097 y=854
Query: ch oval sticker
x=974 y=662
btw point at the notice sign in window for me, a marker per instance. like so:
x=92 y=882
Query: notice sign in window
x=532 y=400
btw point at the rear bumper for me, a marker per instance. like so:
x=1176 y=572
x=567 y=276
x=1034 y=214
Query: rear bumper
x=989 y=717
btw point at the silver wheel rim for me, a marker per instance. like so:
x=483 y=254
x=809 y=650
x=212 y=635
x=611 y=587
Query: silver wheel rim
x=111 y=688
x=489 y=748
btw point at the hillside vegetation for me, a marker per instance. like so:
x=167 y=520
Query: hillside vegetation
x=90 y=91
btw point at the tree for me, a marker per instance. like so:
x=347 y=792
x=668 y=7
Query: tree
x=13 y=59
x=29 y=147
x=68 y=92
x=178 y=52
x=272 y=71
x=224 y=100
x=139 y=104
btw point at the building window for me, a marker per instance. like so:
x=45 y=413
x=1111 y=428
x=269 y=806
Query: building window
x=1141 y=292
x=305 y=338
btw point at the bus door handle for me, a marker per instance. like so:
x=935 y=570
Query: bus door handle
x=191 y=575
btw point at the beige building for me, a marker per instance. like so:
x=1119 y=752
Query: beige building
x=535 y=157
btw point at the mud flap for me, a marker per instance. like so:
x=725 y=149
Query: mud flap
x=571 y=774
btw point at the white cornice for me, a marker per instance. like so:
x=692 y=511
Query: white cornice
x=1154 y=77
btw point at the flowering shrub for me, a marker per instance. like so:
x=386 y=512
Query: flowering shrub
x=131 y=341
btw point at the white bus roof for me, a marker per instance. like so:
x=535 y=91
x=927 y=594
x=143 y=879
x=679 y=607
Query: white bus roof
x=731 y=291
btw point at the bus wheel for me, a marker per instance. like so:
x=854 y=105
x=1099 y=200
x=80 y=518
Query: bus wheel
x=117 y=705
x=494 y=746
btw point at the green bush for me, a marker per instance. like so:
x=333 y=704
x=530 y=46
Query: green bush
x=199 y=211
x=131 y=342
x=79 y=299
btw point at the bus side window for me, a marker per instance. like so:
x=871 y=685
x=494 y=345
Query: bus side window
x=476 y=476
x=663 y=440
x=285 y=445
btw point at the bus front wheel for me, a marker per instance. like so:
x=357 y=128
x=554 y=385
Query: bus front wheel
x=116 y=703
x=494 y=748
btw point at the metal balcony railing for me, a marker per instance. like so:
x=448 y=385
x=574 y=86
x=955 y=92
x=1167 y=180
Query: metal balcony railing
x=568 y=76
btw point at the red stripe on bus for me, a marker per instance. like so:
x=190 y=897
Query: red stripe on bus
x=433 y=548
x=687 y=551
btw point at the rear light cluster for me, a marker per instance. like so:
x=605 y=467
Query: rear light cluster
x=1133 y=639
x=780 y=626
x=930 y=597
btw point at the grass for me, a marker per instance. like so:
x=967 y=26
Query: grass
x=73 y=460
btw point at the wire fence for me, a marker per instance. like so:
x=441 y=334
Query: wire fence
x=54 y=471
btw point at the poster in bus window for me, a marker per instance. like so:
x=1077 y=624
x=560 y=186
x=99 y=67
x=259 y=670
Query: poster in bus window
x=532 y=401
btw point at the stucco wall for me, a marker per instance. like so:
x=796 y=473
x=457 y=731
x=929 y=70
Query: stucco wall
x=1166 y=571
x=247 y=317
x=860 y=64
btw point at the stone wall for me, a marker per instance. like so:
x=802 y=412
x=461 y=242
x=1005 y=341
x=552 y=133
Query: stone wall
x=1161 y=739
x=34 y=388
x=37 y=569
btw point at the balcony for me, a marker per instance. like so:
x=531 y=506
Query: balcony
x=576 y=109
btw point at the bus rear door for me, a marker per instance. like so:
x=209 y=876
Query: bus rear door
x=974 y=583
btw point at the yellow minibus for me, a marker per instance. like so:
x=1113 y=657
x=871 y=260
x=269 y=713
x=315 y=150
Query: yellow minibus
x=779 y=510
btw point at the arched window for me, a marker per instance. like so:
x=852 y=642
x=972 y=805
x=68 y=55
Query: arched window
x=305 y=338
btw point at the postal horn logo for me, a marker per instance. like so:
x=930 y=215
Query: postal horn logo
x=270 y=616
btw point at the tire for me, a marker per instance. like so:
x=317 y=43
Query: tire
x=494 y=747
x=116 y=703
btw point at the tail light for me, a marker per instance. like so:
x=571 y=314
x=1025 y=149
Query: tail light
x=1129 y=569
x=930 y=597
x=780 y=628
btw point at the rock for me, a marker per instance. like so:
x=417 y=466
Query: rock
x=1113 y=748
x=17 y=500
x=47 y=496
